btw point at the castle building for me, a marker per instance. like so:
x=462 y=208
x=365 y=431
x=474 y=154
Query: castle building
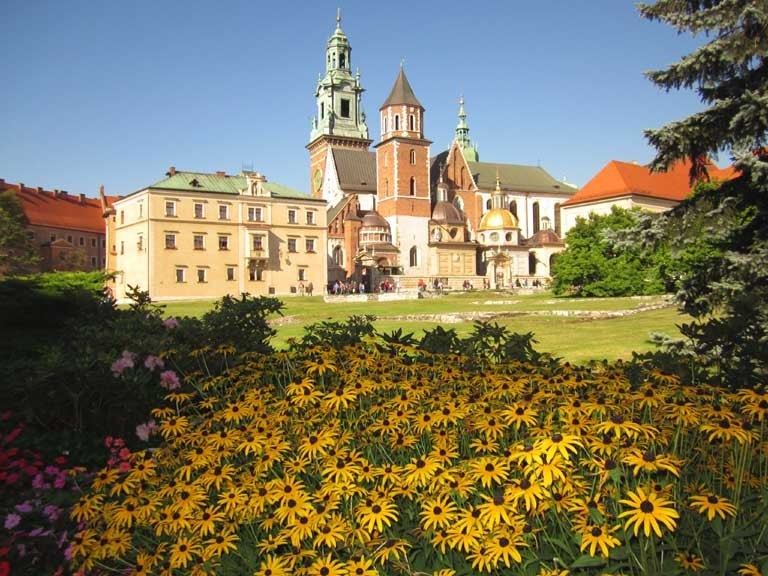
x=399 y=211
x=68 y=229
x=196 y=235
x=630 y=185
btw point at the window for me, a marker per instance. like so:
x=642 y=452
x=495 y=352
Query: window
x=199 y=210
x=322 y=115
x=256 y=274
x=122 y=216
x=291 y=244
x=170 y=208
x=254 y=214
x=230 y=273
x=412 y=186
x=181 y=275
x=338 y=256
x=223 y=212
x=69 y=239
x=310 y=244
x=141 y=209
x=342 y=60
x=122 y=247
x=202 y=274
x=199 y=242
x=103 y=243
x=397 y=122
x=345 y=107
x=170 y=241
x=140 y=243
x=93 y=242
x=413 y=156
x=535 y=218
x=302 y=274
x=414 y=257
x=488 y=204
x=93 y=261
x=385 y=129
x=223 y=242
x=532 y=263
x=513 y=207
x=81 y=241
x=310 y=217
x=258 y=243
x=291 y=216
x=411 y=123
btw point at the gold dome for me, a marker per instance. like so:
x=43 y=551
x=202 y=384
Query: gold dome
x=498 y=219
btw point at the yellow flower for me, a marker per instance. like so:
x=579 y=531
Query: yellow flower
x=274 y=565
x=649 y=511
x=361 y=566
x=712 y=505
x=174 y=427
x=184 y=551
x=222 y=543
x=689 y=561
x=599 y=537
x=503 y=547
x=327 y=567
x=557 y=443
x=437 y=513
x=489 y=470
x=378 y=514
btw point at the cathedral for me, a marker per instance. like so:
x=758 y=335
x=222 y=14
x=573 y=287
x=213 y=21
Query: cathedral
x=398 y=213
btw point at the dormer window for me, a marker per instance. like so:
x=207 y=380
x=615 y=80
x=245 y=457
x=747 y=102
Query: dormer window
x=195 y=183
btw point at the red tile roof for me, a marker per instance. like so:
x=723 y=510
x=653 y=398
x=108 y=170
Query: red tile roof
x=59 y=209
x=618 y=179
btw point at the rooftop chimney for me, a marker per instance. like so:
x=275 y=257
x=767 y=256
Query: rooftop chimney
x=221 y=173
x=20 y=186
x=172 y=171
x=39 y=189
x=82 y=198
x=2 y=182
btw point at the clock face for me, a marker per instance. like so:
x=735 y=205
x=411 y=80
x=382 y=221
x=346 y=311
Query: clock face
x=317 y=179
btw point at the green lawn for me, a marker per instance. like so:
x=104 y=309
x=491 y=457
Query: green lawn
x=573 y=338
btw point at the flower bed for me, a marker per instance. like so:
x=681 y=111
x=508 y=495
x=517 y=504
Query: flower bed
x=364 y=461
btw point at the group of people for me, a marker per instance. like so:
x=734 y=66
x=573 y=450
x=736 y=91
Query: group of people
x=340 y=288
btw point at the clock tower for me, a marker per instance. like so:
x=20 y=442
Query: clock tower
x=339 y=120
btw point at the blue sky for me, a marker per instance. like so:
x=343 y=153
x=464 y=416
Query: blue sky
x=116 y=92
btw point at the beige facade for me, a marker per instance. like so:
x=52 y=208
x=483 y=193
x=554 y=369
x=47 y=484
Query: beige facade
x=571 y=212
x=197 y=236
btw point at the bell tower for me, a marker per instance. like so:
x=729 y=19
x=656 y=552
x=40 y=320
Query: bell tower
x=402 y=162
x=339 y=119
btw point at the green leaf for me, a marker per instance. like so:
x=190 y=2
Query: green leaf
x=587 y=561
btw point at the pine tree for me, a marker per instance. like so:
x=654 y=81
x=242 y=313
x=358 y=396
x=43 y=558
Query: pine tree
x=720 y=234
x=18 y=254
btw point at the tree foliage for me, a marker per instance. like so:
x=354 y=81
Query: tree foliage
x=18 y=254
x=598 y=263
x=719 y=236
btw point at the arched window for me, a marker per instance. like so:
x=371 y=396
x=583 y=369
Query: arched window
x=338 y=256
x=397 y=122
x=412 y=188
x=386 y=186
x=342 y=60
x=413 y=156
x=488 y=204
x=552 y=261
x=414 y=257
x=535 y=217
x=322 y=110
x=411 y=123
x=532 y=263
x=385 y=125
x=458 y=202
x=513 y=207
x=558 y=224
x=463 y=172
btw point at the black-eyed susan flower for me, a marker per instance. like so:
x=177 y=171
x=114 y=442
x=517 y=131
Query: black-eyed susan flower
x=437 y=513
x=649 y=511
x=489 y=470
x=712 y=505
x=503 y=547
x=184 y=552
x=558 y=443
x=376 y=514
x=223 y=543
x=600 y=538
x=274 y=565
x=690 y=562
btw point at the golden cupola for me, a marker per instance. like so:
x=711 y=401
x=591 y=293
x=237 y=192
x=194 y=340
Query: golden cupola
x=498 y=217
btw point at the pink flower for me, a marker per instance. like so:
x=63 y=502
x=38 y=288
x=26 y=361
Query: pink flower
x=25 y=507
x=169 y=380
x=51 y=470
x=39 y=482
x=108 y=441
x=52 y=512
x=125 y=361
x=171 y=323
x=145 y=430
x=60 y=482
x=11 y=521
x=151 y=362
x=124 y=453
x=124 y=466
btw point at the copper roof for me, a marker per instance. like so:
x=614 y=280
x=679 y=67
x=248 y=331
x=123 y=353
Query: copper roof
x=401 y=93
x=373 y=219
x=356 y=169
x=447 y=213
x=544 y=237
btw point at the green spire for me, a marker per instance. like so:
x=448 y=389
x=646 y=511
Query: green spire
x=338 y=92
x=462 y=135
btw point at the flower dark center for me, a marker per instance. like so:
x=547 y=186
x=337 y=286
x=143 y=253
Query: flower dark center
x=376 y=509
x=596 y=531
x=646 y=506
x=503 y=542
x=712 y=500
